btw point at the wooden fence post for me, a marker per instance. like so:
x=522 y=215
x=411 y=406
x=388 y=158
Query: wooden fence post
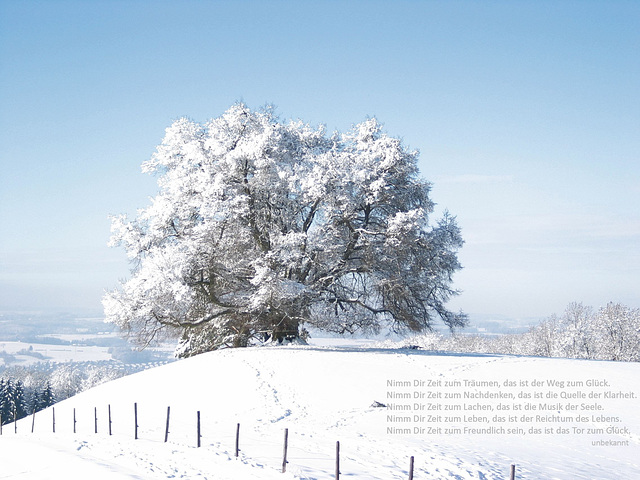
x=199 y=435
x=53 y=418
x=513 y=472
x=284 y=454
x=337 y=460
x=411 y=468
x=166 y=430
x=74 y=420
x=237 y=439
x=15 y=420
x=33 y=421
x=109 y=407
x=135 y=420
x=0 y=424
x=95 y=419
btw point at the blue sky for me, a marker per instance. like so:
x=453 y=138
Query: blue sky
x=526 y=114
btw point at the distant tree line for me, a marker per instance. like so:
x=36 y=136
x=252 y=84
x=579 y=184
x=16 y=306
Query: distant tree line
x=609 y=333
x=18 y=401
x=24 y=390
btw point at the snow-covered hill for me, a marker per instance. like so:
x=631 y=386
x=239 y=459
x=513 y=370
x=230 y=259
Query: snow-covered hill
x=325 y=395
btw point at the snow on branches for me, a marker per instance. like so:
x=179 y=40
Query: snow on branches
x=261 y=227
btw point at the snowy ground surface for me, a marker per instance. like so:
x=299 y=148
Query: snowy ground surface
x=55 y=353
x=323 y=395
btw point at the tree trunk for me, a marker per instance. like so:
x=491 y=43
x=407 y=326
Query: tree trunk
x=285 y=328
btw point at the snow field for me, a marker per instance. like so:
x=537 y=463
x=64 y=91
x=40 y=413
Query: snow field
x=56 y=353
x=322 y=395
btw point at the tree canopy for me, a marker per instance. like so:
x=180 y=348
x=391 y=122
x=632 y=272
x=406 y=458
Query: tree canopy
x=262 y=227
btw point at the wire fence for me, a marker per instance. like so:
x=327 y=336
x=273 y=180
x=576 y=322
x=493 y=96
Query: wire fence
x=272 y=451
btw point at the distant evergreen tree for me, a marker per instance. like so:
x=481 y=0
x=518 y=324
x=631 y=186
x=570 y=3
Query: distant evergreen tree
x=33 y=400
x=6 y=399
x=19 y=401
x=13 y=402
x=46 y=398
x=3 y=402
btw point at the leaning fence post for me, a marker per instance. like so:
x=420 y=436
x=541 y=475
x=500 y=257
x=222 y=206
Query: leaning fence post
x=166 y=430
x=237 y=439
x=199 y=436
x=411 y=468
x=33 y=421
x=109 y=419
x=513 y=472
x=337 y=460
x=284 y=454
x=135 y=420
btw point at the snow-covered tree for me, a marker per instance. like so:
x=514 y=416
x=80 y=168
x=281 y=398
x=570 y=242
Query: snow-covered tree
x=544 y=339
x=66 y=381
x=261 y=227
x=12 y=401
x=6 y=410
x=97 y=375
x=45 y=399
x=19 y=401
x=577 y=331
x=618 y=330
